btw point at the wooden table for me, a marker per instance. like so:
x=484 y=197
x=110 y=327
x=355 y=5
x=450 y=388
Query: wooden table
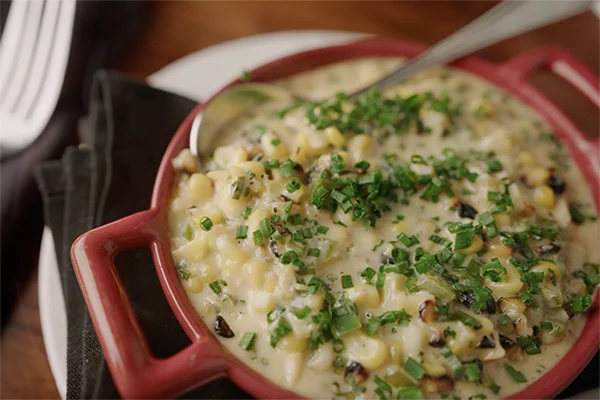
x=178 y=28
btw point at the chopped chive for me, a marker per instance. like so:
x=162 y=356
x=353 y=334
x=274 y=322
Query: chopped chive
x=287 y=169
x=215 y=286
x=514 y=374
x=314 y=285
x=280 y=331
x=288 y=207
x=289 y=256
x=414 y=368
x=581 y=303
x=347 y=282
x=293 y=185
x=277 y=237
x=314 y=252
x=503 y=320
x=271 y=164
x=494 y=166
x=247 y=213
x=276 y=142
x=372 y=325
x=302 y=313
x=257 y=236
x=409 y=393
x=473 y=372
x=494 y=271
x=364 y=165
x=298 y=263
x=546 y=325
x=206 y=223
x=248 y=341
x=322 y=229
x=528 y=345
x=241 y=232
x=265 y=227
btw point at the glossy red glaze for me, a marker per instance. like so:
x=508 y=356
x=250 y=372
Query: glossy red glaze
x=138 y=374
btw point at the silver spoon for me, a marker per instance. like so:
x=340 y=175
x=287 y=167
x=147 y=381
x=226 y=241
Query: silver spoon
x=505 y=20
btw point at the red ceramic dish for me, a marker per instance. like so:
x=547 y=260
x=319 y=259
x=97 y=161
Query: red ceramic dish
x=138 y=374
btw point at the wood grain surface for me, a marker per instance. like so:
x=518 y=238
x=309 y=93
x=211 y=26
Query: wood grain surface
x=177 y=28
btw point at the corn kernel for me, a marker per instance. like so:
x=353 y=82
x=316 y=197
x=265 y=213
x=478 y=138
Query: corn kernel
x=270 y=281
x=364 y=296
x=193 y=284
x=543 y=196
x=537 y=176
x=526 y=159
x=292 y=344
x=545 y=267
x=200 y=187
x=335 y=137
x=497 y=249
x=360 y=146
x=370 y=352
x=254 y=271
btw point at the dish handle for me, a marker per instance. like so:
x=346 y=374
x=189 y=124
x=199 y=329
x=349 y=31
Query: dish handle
x=136 y=372
x=563 y=64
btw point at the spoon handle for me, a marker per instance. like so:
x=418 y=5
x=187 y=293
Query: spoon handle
x=505 y=20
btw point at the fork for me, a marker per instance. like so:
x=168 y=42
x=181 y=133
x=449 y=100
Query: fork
x=33 y=58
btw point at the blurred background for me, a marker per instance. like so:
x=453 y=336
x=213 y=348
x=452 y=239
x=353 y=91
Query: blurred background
x=139 y=38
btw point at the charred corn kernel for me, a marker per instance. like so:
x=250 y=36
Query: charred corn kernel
x=322 y=358
x=193 y=284
x=475 y=246
x=292 y=344
x=511 y=284
x=369 y=351
x=293 y=364
x=497 y=249
x=200 y=187
x=543 y=196
x=270 y=281
x=549 y=269
x=537 y=176
x=359 y=146
x=364 y=296
x=335 y=137
x=230 y=250
x=254 y=272
x=526 y=159
x=271 y=149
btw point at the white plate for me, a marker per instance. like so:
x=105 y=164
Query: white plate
x=195 y=76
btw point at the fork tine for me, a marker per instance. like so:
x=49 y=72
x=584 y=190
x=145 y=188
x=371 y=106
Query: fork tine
x=41 y=59
x=22 y=66
x=11 y=39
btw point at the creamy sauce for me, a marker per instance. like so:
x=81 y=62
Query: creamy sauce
x=260 y=247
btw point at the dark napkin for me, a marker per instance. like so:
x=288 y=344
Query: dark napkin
x=109 y=176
